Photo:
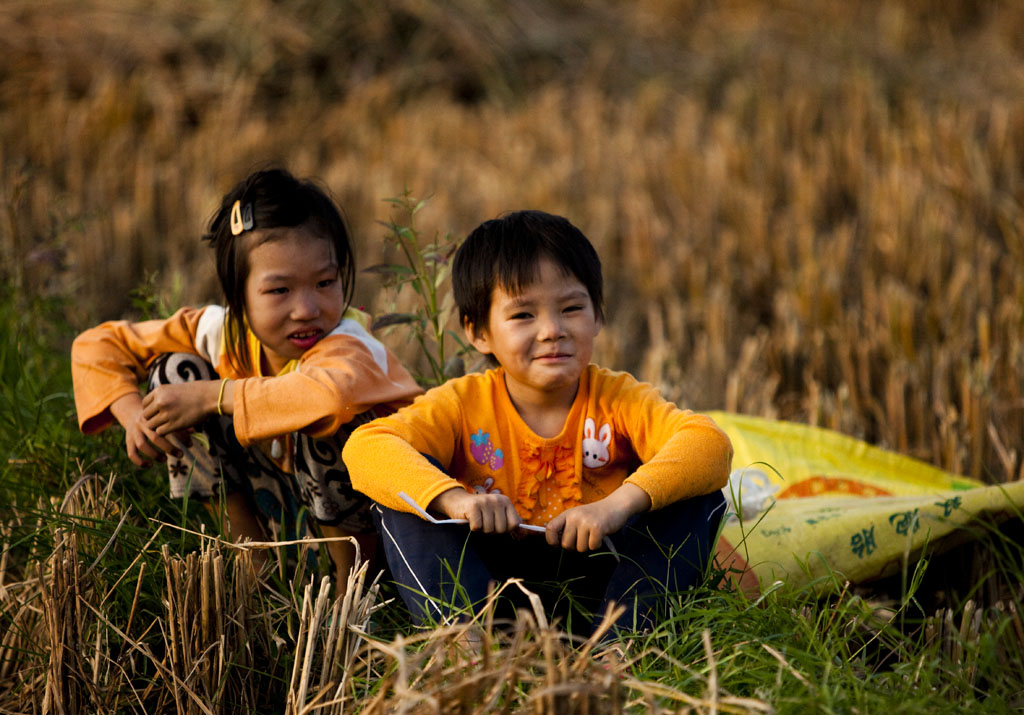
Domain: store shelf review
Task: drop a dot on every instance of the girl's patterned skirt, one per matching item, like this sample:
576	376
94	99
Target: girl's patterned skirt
288	480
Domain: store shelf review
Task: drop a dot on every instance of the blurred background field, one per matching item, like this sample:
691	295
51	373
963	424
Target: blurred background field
812	211
806	210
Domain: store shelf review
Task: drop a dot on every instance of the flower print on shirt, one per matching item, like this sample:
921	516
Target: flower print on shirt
483	450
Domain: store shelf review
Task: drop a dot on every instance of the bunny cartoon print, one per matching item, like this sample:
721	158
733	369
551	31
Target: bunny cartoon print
595	444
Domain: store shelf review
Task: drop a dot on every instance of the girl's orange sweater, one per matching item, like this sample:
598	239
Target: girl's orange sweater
346	373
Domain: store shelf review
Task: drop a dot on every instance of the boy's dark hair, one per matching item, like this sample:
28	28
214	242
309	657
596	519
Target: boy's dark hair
276	199
505	252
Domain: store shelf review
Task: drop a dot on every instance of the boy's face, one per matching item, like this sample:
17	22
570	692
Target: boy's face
542	336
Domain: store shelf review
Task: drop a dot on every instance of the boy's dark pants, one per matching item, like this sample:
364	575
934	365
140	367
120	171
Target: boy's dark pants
442	568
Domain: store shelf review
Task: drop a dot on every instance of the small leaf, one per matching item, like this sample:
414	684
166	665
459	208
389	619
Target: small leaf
442	275
383	321
388	269
447	306
451	246
464	347
454	367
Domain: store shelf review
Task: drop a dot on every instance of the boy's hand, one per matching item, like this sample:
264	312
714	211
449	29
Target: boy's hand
489	513
584	527
173	408
141	440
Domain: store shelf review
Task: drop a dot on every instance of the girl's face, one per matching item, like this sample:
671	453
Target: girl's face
293	295
543	337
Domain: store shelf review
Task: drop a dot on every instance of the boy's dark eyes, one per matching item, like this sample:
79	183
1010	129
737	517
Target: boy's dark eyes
326	282
280	290
523	315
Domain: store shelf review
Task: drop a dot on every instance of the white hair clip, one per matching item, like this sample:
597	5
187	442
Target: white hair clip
241	218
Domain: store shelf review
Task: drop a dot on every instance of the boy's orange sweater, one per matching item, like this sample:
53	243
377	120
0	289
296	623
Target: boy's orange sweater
618	430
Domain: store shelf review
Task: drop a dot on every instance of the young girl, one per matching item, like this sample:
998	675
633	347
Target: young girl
276	380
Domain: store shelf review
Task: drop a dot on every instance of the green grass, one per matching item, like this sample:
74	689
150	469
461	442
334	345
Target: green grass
858	650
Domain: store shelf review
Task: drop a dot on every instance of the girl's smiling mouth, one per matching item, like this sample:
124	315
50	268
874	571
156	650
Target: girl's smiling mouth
305	339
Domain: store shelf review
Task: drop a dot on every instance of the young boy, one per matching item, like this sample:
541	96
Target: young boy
626	484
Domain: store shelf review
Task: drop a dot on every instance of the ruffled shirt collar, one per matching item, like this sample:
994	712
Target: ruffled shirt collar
550	481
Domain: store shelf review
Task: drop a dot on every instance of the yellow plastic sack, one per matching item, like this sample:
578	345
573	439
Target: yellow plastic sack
808	501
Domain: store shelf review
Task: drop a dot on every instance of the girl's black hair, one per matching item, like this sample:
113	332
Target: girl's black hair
505	252
277	200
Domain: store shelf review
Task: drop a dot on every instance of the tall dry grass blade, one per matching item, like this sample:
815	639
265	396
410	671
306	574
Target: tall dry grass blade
1018	626
785	663
705	637
306	641
949	631
171	606
205	616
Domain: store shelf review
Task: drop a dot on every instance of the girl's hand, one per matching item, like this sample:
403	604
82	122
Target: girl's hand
489	513
173	408
584	527
141	440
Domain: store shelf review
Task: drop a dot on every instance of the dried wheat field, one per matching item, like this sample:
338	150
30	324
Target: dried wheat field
810	216
807	211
